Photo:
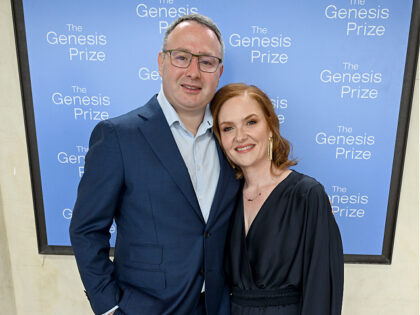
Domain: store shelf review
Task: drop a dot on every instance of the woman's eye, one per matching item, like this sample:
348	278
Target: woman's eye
226	129
251	122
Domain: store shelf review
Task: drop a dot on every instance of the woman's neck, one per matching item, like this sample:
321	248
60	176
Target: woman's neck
260	175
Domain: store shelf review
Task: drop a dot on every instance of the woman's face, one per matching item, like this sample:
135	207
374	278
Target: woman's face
244	131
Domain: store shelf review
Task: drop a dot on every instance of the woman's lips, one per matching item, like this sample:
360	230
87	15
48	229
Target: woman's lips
244	148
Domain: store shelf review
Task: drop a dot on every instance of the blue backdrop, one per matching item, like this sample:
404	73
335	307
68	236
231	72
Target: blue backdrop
333	69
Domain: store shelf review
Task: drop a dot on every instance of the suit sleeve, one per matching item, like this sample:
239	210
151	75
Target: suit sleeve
323	274
97	202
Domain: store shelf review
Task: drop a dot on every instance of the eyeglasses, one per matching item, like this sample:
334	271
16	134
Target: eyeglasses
182	59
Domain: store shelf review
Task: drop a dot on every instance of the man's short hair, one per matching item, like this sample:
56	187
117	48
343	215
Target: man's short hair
201	19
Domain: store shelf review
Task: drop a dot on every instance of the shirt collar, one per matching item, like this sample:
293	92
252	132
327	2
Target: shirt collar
172	116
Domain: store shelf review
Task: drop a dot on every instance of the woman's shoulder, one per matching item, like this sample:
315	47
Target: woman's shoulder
305	184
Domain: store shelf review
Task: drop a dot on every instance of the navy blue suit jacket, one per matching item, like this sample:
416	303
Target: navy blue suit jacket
135	174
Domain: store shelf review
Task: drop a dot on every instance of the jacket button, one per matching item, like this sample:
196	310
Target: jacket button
202	272
207	234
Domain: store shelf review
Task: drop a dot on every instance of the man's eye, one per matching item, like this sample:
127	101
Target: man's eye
207	61
181	58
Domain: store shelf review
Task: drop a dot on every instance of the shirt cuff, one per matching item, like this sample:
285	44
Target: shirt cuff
111	310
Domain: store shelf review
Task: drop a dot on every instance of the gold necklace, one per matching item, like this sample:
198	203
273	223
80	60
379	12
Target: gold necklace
259	194
252	199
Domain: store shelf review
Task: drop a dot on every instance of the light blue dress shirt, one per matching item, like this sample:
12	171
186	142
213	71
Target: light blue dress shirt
199	153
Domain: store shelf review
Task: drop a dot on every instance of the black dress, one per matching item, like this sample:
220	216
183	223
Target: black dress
291	261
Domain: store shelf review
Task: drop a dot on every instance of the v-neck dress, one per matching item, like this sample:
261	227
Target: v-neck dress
291	260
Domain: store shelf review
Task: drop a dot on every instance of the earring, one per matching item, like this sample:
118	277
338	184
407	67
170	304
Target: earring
270	148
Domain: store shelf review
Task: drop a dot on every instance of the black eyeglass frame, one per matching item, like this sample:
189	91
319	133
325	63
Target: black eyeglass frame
192	55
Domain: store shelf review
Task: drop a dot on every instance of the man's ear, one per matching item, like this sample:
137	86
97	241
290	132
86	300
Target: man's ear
221	70
161	59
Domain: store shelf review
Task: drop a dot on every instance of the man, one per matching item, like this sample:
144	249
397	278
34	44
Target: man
160	174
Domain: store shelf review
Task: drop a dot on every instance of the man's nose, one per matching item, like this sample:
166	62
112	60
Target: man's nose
193	70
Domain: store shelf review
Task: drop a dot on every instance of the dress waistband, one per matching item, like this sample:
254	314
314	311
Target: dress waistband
264	297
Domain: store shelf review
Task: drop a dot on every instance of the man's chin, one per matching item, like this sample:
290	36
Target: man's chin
192	105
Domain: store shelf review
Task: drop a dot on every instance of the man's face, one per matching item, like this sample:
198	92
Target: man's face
189	89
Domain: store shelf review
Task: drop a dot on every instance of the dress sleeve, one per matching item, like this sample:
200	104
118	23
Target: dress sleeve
323	268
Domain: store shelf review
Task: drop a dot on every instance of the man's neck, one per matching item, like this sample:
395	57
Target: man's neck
192	120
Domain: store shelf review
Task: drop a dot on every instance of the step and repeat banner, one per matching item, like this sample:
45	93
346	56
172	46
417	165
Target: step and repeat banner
333	69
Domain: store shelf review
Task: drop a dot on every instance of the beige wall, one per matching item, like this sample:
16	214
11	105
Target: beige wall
35	284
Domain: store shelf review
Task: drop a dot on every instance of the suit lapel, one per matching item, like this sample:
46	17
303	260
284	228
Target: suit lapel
227	187
156	131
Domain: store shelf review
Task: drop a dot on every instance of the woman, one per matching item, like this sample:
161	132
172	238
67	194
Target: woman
284	253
